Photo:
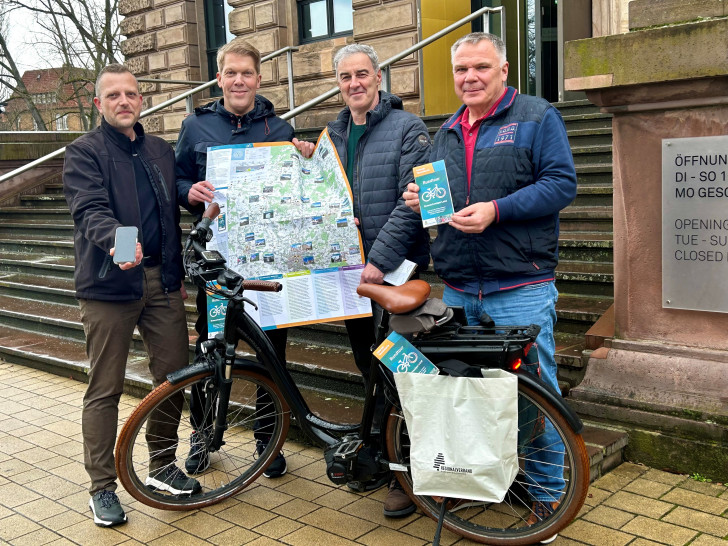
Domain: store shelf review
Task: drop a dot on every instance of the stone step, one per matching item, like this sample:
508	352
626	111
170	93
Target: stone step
588	278
56	215
583	137
36	230
50	246
49	200
575	107
594	174
594	120
575	312
586	246
593	195
592	154
605	447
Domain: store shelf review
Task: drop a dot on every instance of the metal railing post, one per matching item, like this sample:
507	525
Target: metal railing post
386	79
291	97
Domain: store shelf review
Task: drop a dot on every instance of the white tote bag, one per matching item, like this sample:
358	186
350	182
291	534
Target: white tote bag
463	433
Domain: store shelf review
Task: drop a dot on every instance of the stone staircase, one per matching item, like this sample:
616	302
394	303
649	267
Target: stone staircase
40	324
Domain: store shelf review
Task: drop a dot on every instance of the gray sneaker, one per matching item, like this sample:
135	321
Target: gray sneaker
107	509
172	479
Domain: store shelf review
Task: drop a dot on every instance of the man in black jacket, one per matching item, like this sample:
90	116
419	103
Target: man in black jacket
240	117
378	143
117	176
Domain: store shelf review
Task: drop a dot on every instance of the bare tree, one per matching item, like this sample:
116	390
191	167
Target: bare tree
81	35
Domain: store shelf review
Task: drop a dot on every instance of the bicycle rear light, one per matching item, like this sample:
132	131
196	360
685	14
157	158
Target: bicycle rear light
516	364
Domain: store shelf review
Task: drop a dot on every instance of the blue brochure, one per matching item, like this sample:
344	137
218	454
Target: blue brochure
435	199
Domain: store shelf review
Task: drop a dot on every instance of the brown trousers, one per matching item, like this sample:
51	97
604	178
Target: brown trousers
109	327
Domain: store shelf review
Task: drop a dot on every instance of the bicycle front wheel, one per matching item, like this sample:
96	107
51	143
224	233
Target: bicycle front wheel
160	431
553	469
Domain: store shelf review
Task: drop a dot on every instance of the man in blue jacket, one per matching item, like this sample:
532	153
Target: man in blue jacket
378	143
510	169
240	117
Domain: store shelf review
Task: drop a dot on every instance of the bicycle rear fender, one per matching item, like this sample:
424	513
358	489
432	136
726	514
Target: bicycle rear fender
201	367
548	392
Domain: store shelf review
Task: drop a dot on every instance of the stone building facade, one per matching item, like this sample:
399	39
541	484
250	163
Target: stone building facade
170	40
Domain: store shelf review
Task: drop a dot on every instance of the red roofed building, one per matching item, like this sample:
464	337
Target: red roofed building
61	95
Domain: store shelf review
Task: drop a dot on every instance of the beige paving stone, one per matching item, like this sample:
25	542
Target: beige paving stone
167	516
220	506
67	519
144	528
264	541
54	487
67	449
637	504
304	489
666	533
202	525
349	527
648	488
612	482
12	466
177	538
79	501
29	476
296	508
313	471
664	477
424	528
36	538
310	536
337	498
11	425
631	470
73	472
16	526
644	542
264	497
706	488
235	536
700	521
35	455
246	515
698	501
597	535
47	439
40	509
32	415
5	512
609	517
12	495
278	527
65	427
26	432
371	510
382	535
53	462
13	445
707	540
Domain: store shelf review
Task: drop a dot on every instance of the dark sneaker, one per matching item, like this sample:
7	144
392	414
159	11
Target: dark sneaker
540	511
198	459
107	509
375	483
278	467
172	479
397	504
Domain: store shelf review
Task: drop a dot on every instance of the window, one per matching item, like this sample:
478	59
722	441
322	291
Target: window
322	19
216	13
62	123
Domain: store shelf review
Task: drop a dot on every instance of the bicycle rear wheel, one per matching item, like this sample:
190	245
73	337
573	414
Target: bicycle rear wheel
508	522
254	398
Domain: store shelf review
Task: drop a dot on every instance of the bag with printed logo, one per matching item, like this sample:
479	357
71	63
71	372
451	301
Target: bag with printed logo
463	433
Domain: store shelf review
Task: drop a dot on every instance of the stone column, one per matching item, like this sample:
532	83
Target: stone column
665	374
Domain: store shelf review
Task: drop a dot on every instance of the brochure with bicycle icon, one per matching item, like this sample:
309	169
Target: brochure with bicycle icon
435	198
399	355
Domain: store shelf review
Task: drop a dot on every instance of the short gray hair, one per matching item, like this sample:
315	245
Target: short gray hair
475	38
353	49
113	68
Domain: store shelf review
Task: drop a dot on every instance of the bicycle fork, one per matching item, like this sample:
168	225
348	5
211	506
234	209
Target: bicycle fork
223	378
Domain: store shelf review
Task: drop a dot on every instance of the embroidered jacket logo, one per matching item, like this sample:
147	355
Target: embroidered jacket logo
441	466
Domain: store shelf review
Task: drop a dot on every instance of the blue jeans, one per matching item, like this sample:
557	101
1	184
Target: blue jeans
531	304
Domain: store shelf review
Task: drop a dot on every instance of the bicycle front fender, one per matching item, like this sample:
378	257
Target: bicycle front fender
548	392
204	366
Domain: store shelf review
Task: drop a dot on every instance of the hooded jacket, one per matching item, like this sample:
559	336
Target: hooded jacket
522	162
100	189
393	142
212	125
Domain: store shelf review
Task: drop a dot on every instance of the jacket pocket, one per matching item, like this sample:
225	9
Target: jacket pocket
162	182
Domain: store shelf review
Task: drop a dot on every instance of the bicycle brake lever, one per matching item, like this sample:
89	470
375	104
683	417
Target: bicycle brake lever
246	300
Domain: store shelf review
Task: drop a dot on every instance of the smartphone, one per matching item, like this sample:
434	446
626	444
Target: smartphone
125	244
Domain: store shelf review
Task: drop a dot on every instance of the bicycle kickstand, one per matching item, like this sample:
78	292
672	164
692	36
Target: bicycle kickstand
440	519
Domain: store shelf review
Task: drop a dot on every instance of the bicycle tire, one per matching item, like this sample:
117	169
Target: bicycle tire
232	468
505	523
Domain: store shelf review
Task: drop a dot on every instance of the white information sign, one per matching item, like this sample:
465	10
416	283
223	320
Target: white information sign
695	223
288	219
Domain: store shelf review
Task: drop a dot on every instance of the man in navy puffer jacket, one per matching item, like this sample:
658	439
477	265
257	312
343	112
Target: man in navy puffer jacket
240	117
510	170
378	143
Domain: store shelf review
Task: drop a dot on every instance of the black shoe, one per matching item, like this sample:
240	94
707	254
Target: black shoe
198	459
278	467
397	504
375	483
172	479
107	509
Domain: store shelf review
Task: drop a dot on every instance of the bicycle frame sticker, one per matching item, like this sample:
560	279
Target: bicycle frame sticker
216	309
399	355
435	199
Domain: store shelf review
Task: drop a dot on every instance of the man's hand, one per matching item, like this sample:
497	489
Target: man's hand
306	148
474	218
371	275
201	192
183	290
137	258
412	196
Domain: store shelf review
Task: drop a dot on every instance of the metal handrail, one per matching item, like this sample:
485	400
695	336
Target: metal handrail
386	84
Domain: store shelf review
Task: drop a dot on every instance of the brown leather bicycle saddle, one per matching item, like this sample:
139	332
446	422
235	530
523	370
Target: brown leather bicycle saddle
397	299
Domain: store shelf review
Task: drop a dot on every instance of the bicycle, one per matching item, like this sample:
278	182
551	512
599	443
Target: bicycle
434	192
234	400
